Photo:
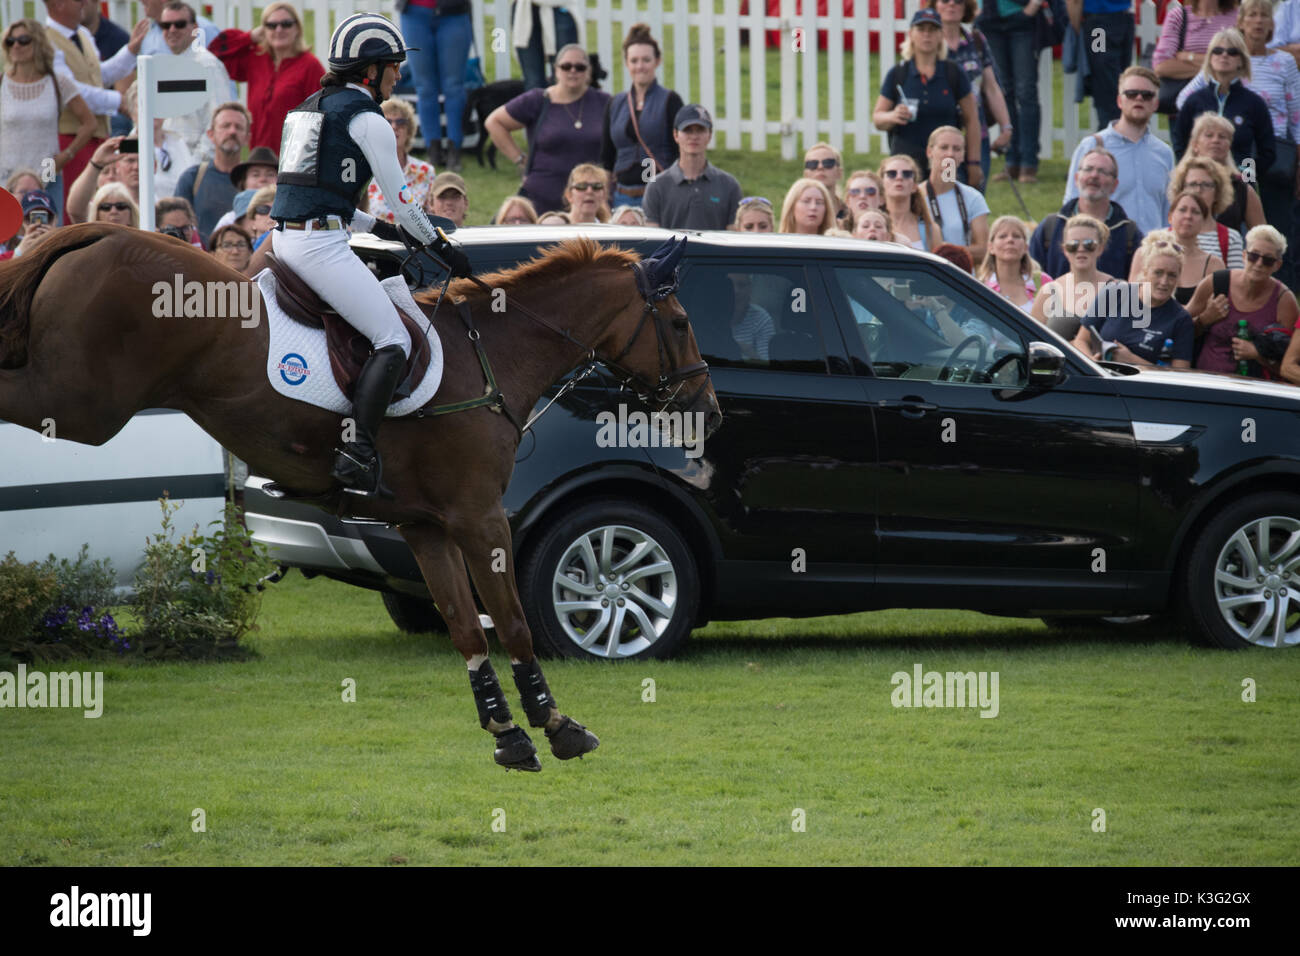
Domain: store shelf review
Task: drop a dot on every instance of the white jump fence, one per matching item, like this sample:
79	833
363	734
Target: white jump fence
706	63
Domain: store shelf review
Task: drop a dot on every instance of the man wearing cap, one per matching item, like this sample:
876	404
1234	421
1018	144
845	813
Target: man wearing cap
692	193
448	197
209	186
39	219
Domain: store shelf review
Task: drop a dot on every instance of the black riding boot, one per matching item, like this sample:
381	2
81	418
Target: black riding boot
357	466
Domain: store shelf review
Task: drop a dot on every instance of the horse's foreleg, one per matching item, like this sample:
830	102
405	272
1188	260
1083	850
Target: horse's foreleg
443	568
488	554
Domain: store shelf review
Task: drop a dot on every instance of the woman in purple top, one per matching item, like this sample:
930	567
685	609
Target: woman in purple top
1254	297
563	124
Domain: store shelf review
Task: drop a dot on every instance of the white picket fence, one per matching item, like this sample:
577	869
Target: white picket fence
694	40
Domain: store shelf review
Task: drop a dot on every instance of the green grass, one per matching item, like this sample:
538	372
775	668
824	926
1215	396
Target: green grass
757	719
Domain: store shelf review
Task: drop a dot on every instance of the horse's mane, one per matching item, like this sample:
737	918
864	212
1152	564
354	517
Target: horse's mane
554	262
20	277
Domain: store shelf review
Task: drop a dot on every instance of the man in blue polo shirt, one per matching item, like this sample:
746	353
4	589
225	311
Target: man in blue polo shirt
1107	28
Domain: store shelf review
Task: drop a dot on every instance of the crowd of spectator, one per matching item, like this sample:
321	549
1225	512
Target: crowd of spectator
1200	236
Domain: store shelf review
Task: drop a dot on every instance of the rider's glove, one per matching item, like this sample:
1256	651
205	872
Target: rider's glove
386	231
458	263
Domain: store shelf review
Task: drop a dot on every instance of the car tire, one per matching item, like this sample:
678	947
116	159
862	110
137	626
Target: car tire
413	615
1237	592
659	586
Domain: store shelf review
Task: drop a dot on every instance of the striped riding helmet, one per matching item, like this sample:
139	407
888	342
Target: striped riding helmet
365	38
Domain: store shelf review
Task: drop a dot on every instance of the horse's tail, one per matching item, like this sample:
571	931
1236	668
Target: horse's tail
20	277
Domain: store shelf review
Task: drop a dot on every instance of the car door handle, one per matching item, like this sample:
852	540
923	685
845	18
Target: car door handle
911	406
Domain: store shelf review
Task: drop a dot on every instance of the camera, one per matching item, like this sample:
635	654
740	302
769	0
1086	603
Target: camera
176	232
129	146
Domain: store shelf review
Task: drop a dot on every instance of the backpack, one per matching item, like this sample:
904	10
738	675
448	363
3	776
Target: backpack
1223	254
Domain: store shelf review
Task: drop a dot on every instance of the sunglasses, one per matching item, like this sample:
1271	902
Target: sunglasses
1139	94
262	210
279	24
896	173
1087	245
758	199
114	207
572	67
1269	261
24	40
821	163
583	187
401	122
232	246
864	191
1225	51
173	24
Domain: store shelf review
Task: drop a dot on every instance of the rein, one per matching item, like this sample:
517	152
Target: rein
671	377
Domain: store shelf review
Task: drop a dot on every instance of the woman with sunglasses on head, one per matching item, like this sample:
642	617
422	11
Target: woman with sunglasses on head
1210	180
563	127
1067	299
1227	71
628	216
823	163
232	246
754	214
969	49
585	194
32	96
1143	324
112	203
1211	139
419	174
637	131
1188	215
1254	297
274	60
913	224
1008	269
808	209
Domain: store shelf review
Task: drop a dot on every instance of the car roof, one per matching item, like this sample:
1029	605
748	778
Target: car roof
712	239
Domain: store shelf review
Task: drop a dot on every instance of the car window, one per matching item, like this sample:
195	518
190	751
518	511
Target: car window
752	315
914	325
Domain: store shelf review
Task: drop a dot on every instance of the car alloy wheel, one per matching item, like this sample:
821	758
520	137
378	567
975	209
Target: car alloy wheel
1257	581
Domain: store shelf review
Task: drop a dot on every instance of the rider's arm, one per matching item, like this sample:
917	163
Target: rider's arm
371	132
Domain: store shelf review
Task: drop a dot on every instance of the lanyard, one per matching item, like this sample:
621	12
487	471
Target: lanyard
961	208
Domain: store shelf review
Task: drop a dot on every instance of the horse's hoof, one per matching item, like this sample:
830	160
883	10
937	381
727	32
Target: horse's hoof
515	751
571	739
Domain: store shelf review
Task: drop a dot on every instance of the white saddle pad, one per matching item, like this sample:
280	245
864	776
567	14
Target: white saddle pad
298	364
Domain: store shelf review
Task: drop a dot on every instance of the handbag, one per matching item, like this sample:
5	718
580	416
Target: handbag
1049	24
474	77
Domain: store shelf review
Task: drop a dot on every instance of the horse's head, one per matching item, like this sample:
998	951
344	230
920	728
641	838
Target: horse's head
651	346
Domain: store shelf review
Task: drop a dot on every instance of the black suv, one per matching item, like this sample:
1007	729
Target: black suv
895	435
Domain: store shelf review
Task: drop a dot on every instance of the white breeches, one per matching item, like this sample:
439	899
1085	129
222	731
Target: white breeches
326	263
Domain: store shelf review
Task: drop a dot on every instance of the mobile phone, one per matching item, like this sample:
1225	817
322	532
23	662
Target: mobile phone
129	146
39	217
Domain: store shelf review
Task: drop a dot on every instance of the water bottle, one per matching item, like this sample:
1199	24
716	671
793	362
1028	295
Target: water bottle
1166	353
1243	333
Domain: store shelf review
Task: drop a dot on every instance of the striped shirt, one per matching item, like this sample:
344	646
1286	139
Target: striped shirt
1276	78
1200	31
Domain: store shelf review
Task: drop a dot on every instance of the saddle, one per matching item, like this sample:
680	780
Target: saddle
348	348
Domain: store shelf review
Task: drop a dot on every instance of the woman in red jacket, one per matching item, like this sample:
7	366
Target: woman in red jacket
275	62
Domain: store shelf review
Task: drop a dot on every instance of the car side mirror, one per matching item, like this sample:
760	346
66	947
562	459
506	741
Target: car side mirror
1046	365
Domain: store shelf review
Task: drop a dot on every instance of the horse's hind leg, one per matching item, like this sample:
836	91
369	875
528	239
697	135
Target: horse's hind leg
488	554
444	572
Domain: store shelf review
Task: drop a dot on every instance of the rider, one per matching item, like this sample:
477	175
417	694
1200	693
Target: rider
332	144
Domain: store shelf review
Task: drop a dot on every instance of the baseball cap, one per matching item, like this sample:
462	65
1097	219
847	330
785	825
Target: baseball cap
693	115
37	199
927	15
444	181
242	202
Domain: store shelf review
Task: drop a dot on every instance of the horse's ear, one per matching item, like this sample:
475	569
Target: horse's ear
663	262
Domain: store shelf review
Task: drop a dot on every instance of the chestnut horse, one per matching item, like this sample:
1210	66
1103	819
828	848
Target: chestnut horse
80	344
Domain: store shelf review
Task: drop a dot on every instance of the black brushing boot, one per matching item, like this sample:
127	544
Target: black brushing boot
514	750
570	739
357	466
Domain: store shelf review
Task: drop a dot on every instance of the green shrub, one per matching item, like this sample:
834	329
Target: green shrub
27	591
198	595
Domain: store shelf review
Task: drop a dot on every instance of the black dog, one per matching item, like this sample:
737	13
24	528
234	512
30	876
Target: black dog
482	101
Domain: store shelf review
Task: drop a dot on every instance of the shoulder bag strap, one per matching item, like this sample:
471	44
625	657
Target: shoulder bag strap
636	128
